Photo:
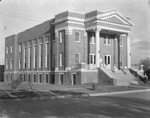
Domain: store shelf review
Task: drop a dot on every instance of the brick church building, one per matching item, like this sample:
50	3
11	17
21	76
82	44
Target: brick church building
72	48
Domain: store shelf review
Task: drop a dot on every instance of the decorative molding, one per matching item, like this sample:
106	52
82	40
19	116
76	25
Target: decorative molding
68	31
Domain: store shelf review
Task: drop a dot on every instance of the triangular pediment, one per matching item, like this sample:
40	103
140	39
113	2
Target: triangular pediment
115	17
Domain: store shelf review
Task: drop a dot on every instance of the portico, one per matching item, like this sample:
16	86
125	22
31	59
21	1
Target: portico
110	55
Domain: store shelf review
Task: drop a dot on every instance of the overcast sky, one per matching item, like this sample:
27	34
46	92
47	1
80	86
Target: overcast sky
19	15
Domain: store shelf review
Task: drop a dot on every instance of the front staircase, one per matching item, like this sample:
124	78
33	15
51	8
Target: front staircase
117	78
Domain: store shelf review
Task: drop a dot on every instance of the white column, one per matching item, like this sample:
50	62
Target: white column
97	36
128	52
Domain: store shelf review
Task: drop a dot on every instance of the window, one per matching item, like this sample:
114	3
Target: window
107	40
10	49
61	59
34	78
24	57
40	78
46	77
77	36
6	50
19	63
61	36
46	53
92	39
77	58
34	55
40	54
61	78
92	58
19	47
11	63
121	41
6	63
29	56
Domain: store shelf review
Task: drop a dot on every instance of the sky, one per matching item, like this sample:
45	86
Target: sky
19	15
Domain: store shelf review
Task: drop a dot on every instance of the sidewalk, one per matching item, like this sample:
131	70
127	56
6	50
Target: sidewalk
46	92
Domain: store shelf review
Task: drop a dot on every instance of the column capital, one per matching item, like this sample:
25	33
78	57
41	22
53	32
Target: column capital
97	29
85	33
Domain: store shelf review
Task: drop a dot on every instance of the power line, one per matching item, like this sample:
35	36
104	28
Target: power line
13	14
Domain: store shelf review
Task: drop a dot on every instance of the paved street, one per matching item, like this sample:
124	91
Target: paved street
135	105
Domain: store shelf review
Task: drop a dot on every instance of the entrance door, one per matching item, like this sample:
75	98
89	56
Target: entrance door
52	79
73	79
108	61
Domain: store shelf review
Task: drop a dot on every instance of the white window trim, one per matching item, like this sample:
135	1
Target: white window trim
60	37
61	59
11	49
79	57
92	58
7	61
20	47
107	38
6	50
46	56
40	55
29	56
19	63
24	56
79	36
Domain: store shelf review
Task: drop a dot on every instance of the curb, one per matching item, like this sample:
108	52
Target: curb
71	96
120	92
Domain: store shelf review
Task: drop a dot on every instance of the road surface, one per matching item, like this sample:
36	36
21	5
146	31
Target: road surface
135	105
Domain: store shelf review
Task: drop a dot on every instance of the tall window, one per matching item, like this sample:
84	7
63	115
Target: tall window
19	47
6	63
121	41
34	54
61	36
92	39
10	49
92	58
29	56
77	58
19	63
61	59
107	40
46	53
40	53
11	63
46	77
24	57
6	50
40	78
34	78
77	36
